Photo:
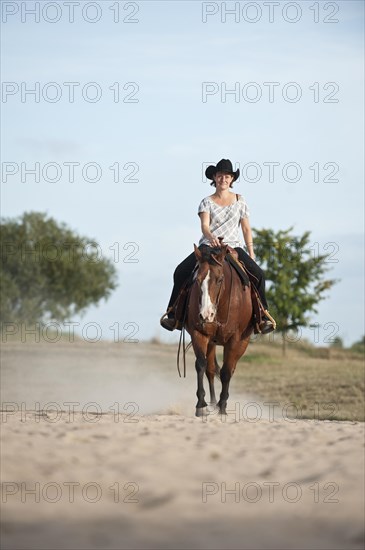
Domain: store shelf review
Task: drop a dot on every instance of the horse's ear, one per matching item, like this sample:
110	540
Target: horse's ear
197	252
223	251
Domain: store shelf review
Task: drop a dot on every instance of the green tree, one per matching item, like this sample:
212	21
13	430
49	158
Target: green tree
295	275
48	272
337	343
359	347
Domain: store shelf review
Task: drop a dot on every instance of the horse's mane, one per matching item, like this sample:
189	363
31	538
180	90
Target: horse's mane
207	252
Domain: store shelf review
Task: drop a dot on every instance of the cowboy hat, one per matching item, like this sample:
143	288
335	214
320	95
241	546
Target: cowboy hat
223	165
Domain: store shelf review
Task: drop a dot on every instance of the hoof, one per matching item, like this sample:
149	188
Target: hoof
222	410
201	411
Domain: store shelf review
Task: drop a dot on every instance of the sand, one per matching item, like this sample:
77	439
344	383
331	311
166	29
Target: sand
131	467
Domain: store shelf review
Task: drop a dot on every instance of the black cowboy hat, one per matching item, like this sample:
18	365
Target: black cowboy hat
223	165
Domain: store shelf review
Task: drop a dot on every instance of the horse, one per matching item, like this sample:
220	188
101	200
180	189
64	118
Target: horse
219	312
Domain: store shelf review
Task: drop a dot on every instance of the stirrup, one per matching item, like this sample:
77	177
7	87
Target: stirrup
267	314
269	318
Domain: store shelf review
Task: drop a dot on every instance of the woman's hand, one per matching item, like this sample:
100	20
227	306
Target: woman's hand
215	242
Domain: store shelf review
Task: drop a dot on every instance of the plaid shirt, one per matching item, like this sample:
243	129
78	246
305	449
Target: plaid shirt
225	220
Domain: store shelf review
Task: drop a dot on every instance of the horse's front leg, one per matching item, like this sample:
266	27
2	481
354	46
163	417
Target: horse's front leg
232	352
200	366
211	371
200	345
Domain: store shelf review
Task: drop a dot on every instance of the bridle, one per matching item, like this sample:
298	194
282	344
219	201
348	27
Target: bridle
216	322
219	323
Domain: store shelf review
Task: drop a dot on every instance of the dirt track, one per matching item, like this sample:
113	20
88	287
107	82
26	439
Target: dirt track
155	476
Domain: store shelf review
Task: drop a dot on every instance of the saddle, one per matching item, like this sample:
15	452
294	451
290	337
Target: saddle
247	278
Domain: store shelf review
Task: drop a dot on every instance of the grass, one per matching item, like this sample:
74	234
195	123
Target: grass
320	385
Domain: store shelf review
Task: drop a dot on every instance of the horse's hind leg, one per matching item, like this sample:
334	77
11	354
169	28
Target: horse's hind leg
217	368
231	355
211	371
225	374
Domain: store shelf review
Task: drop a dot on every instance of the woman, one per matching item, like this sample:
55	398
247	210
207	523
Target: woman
221	215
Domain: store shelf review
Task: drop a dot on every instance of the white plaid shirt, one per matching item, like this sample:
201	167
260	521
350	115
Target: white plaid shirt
225	220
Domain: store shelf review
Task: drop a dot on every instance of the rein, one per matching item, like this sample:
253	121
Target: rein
229	298
182	336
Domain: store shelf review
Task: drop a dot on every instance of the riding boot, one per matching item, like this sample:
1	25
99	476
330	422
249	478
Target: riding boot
169	322
266	323
182	275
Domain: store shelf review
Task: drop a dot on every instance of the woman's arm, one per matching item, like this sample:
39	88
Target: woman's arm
205	224
247	235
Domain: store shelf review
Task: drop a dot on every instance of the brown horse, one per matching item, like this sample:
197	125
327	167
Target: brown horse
219	312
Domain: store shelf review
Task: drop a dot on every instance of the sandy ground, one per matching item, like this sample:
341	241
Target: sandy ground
101	449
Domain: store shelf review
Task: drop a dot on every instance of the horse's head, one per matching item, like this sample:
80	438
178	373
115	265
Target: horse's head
210	280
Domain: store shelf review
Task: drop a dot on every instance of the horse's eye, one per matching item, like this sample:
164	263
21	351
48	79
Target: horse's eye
220	280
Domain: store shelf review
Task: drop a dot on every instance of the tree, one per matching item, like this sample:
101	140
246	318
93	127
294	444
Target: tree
337	343
295	275
49	272
359	346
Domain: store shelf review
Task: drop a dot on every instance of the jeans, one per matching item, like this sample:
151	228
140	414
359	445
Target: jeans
185	268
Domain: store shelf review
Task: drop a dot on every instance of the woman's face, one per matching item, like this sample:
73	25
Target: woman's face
223	180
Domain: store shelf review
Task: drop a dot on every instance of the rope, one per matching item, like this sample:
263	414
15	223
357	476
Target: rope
182	336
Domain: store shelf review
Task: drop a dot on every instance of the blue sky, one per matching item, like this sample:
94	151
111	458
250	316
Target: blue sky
170	134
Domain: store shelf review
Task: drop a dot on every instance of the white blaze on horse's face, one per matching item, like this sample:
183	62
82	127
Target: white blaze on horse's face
207	309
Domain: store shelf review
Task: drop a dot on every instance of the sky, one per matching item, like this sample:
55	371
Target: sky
139	97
